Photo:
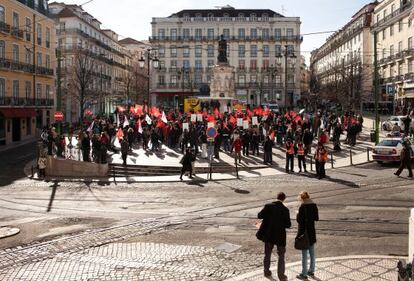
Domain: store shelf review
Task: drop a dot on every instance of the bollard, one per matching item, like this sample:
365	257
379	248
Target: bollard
237	167
211	169
32	172
332	160
311	163
368	154
350	156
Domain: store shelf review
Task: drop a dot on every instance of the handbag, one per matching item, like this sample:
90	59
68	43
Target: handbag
302	241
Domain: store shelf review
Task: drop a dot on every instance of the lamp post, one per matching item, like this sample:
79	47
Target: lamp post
287	54
149	57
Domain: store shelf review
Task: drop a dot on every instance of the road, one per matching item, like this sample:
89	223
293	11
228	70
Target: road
363	210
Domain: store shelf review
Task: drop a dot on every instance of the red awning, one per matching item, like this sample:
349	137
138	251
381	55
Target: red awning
17	112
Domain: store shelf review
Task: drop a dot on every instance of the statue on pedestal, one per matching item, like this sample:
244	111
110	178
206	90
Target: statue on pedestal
222	50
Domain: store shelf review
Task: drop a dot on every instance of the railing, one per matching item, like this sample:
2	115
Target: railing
4	27
18	66
396	13
296	38
16	32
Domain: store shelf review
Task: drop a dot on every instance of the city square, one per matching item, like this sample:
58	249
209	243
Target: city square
202	142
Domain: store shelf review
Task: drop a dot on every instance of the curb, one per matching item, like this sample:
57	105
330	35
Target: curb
259	272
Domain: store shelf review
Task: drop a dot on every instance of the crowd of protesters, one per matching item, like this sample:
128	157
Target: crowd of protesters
242	132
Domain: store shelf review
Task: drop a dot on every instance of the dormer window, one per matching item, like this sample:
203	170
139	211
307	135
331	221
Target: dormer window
226	17
241	17
265	17
253	17
186	17
198	16
211	17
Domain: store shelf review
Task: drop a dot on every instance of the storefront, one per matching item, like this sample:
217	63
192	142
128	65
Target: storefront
16	124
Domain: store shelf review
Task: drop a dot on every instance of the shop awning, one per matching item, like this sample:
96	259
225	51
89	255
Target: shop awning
17	112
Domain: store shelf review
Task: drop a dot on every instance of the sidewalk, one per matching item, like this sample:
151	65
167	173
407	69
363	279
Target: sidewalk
355	268
17	144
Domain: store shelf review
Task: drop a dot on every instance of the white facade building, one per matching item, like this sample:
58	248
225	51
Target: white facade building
262	46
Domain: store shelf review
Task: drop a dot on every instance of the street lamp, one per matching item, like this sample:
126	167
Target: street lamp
155	63
288	54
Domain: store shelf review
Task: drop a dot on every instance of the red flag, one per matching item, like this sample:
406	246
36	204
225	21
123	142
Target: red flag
211	118
160	124
138	109
298	118
272	136
155	112
249	113
293	114
120	133
232	120
225	125
216	112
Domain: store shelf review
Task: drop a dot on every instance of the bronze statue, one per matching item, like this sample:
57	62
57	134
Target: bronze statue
222	57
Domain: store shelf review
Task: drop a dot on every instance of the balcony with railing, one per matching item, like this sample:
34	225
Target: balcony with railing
4	27
16	32
40	70
17	101
403	9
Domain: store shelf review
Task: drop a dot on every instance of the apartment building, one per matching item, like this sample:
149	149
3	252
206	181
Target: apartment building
304	80
393	26
343	64
262	46
79	35
27	58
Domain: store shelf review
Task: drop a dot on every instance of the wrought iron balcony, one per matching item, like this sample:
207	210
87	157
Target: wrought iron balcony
4	27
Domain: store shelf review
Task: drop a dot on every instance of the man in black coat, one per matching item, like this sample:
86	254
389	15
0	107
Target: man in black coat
276	219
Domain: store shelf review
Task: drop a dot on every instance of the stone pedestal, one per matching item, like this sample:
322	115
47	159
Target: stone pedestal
411	237
222	86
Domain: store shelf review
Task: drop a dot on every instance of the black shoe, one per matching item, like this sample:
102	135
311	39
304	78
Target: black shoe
181	179
396	174
410	176
267	273
301	277
311	274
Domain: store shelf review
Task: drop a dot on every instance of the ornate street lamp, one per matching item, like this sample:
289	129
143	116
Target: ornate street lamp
155	64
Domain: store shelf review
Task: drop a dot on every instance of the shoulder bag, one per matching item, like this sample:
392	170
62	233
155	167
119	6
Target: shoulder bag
302	241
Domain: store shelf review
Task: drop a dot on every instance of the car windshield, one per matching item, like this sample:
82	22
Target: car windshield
389	142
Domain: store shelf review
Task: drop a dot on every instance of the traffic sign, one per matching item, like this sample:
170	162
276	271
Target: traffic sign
58	116
211	132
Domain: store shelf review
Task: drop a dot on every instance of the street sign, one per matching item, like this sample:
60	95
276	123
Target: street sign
58	116
211	133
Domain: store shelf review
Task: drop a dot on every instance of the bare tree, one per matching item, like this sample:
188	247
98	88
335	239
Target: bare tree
82	78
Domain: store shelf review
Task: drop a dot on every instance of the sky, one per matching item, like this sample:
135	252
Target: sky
131	18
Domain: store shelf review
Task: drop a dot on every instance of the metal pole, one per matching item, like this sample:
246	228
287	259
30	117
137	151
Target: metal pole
376	87
350	157
149	73
34	60
237	167
368	154
332	160
286	76
311	163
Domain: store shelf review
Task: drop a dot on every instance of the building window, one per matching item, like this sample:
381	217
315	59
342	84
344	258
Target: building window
290	49
186	52
265	51
39	59
186	33
210	34
47	92
161	52
242	33
198	51
289	33
28	29
400	68
410	43
27	56
27	89
173	34
2	87
391	50
278	50
253	33
253	78
161	34
15	89
211	17
2	49
400	47
161	80
391	30
47	59
2	14
210	63
15	20
265	33
400	26
173	79
47	37
198	34
39	34
383	34
242	79
253	51
198	64
410	66
173	51
265	17
186	64
266	64
253	64
242	64
253	17
173	64
278	34
210	51
15	53
242	51
226	33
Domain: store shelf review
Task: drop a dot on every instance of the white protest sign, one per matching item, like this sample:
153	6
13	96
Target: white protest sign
239	122
193	118
186	127
200	117
255	121
245	124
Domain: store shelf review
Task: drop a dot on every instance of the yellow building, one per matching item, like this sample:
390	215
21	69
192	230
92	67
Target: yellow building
27	60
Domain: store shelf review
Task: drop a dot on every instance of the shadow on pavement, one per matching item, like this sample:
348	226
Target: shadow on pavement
52	196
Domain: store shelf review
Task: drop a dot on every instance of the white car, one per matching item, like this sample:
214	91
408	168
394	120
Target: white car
387	125
389	149
274	107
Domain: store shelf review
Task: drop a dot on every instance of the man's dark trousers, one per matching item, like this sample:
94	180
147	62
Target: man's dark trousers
281	259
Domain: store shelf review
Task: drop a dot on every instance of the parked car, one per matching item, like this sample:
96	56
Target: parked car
389	149
387	125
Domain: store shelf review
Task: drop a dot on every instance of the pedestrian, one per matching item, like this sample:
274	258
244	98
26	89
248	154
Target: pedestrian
186	162
307	141
41	162
300	151
124	150
321	156
237	145
407	123
255	143
86	147
246	139
290	153
275	220
268	151
405	156
306	217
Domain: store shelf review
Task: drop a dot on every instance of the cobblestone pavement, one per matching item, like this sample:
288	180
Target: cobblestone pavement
357	268
136	261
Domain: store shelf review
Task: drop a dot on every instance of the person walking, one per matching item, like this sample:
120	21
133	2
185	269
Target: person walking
301	157
306	217
268	150
124	150
275	220
246	139
186	162
405	157
42	165
290	153
255	143
321	156
237	145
